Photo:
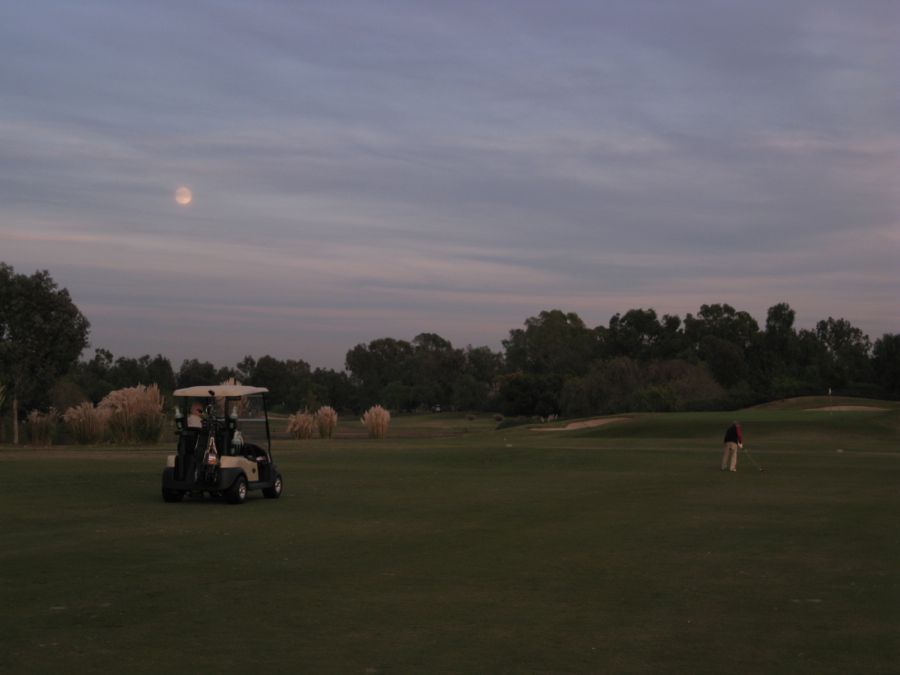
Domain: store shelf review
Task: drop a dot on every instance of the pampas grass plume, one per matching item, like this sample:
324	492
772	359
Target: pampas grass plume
42	426
135	414
326	421
302	425
86	423
377	420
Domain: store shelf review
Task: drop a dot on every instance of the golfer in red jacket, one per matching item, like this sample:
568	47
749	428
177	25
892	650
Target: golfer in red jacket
734	439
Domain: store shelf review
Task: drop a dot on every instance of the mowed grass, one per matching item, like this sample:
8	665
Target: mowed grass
616	549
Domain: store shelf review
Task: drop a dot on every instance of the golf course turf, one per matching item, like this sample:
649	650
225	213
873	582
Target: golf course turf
611	549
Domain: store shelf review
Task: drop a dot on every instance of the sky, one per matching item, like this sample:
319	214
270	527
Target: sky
384	169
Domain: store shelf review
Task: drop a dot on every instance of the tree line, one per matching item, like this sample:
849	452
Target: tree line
718	358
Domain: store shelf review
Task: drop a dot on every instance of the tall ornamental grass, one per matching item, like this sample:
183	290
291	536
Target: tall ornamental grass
302	425
377	420
86	423
42	426
135	414
326	421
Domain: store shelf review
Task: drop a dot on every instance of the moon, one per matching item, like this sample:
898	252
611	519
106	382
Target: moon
183	196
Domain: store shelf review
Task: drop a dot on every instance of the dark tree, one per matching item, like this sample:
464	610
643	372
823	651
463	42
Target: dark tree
636	334
608	386
780	327
334	389
377	364
289	382
99	376
552	347
483	364
553	343
722	321
848	350
128	372
159	371
93	377
724	339
244	370
436	368
226	374
886	363
527	394
194	372
725	359
475	387
42	333
672	341
778	361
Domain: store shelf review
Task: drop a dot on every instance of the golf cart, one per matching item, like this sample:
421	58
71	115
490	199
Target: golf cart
224	446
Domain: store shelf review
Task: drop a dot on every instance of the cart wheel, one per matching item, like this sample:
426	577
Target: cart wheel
172	496
237	493
274	492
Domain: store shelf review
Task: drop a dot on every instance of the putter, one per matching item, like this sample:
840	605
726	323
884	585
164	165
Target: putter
753	460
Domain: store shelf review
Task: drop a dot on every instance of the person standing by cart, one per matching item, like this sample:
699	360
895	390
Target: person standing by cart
734	439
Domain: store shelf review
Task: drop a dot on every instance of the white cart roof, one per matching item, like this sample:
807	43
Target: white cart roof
220	391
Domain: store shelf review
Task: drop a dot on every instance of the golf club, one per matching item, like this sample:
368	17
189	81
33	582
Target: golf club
753	459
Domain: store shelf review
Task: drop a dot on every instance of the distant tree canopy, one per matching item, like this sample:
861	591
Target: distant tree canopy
719	357
425	373
555	364
92	380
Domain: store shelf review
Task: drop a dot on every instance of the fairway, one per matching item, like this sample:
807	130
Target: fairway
611	549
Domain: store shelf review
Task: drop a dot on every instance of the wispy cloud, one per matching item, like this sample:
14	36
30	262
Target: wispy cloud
363	171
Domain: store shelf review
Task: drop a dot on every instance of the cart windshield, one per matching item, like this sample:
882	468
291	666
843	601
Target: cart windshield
251	415
248	412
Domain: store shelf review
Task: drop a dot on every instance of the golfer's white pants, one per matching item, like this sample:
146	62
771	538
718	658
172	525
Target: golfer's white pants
729	457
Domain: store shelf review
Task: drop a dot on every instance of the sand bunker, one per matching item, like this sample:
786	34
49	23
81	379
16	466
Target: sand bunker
846	408
571	426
